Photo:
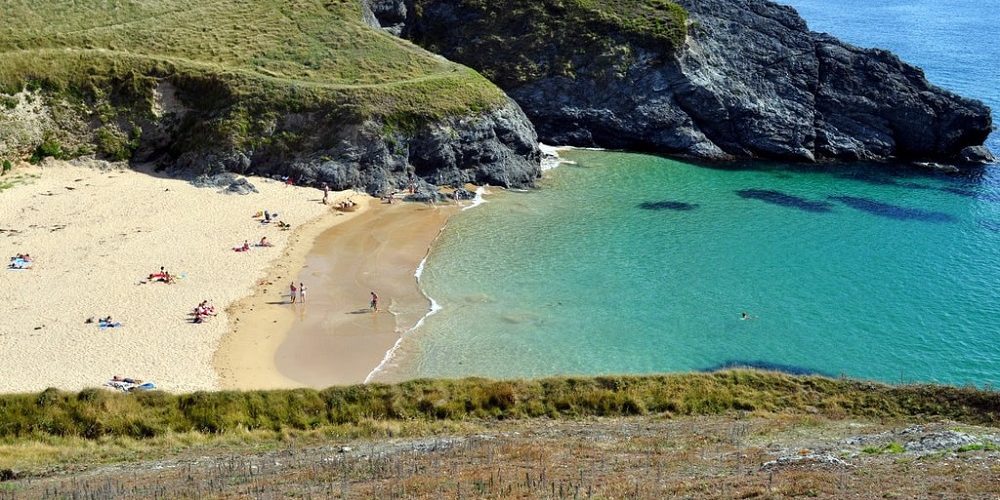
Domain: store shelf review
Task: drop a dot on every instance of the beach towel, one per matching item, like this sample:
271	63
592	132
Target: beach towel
121	385
19	265
104	326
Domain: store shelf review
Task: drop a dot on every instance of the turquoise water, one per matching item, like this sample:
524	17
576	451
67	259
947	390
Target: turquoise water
626	263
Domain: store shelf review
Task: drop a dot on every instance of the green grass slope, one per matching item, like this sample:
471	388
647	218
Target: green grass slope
258	56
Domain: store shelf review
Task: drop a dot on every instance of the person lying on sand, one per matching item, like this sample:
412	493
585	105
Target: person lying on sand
244	248
108	323
127	380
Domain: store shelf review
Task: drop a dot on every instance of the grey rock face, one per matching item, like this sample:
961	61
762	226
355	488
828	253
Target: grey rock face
496	147
751	82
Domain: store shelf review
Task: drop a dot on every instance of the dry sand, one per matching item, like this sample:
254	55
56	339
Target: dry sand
94	235
333	338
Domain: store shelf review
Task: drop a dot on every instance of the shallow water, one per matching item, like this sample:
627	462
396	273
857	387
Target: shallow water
628	263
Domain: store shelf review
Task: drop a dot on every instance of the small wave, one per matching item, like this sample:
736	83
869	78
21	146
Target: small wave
420	268
478	200
432	310
551	158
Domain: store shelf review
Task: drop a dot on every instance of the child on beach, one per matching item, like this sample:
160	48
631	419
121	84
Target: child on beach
374	303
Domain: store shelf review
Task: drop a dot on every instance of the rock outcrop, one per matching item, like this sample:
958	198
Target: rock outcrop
497	147
750	81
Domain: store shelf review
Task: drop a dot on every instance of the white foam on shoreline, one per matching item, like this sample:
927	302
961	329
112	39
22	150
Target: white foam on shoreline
478	200
551	158
432	310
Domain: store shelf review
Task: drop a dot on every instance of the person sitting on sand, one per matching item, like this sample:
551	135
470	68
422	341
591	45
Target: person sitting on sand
265	243
244	248
284	226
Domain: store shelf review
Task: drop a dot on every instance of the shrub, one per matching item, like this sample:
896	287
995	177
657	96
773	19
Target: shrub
6	167
49	147
113	144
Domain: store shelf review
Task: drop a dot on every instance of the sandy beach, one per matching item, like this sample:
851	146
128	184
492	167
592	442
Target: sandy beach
96	235
333	338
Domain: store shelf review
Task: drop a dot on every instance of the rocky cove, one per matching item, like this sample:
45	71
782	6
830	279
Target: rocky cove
712	80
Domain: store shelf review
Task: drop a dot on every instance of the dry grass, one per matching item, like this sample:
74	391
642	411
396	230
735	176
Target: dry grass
633	457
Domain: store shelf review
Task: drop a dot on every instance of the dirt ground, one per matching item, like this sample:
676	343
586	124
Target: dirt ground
642	457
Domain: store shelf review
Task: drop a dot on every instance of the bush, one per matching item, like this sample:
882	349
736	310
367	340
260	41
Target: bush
6	167
49	147
113	144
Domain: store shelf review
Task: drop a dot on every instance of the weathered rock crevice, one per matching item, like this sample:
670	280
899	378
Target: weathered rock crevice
751	81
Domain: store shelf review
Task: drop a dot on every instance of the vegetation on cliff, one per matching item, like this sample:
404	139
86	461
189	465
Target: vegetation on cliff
562	30
96	413
240	63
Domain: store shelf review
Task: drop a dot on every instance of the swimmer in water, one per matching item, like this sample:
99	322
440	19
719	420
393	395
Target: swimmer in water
744	316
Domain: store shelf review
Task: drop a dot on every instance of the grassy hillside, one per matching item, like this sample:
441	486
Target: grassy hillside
238	62
298	51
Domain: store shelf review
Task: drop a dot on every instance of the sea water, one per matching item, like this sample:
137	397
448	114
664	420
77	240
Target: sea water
627	263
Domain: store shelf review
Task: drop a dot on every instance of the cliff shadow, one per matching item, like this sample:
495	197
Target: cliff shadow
969	193
678	206
764	365
890	211
869	176
785	200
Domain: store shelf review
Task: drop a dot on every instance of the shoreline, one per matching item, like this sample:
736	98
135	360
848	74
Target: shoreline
254	331
333	339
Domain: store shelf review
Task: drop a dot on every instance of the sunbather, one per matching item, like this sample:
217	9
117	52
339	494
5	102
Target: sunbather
265	243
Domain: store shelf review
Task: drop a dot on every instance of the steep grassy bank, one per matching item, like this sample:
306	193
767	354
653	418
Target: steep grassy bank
229	84
96	414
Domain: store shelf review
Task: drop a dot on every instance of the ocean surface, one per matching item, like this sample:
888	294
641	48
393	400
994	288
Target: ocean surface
627	263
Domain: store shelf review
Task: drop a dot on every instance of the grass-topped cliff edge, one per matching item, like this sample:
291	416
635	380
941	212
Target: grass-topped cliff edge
270	79
635	436
98	413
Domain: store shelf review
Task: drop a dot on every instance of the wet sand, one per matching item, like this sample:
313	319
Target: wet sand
333	338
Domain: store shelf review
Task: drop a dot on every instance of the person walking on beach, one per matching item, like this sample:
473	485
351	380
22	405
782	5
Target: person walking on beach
302	293
326	192
292	292
374	304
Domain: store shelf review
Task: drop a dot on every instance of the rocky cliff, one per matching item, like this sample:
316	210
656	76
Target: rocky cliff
300	88
747	79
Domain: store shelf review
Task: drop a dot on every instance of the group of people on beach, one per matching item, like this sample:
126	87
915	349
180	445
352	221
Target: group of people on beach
203	312
297	293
